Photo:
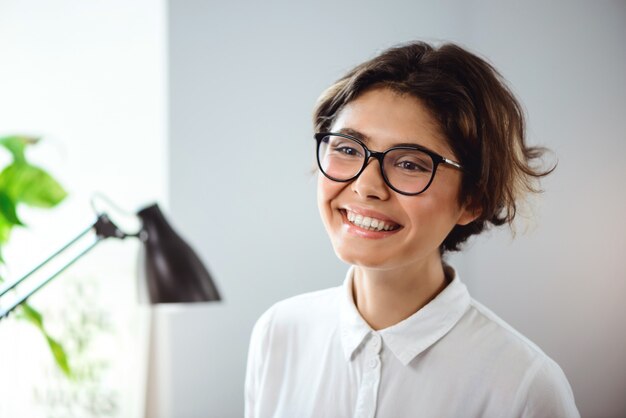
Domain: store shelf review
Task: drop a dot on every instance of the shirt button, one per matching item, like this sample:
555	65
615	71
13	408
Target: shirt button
376	344
374	363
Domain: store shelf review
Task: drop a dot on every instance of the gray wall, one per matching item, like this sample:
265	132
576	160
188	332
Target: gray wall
244	76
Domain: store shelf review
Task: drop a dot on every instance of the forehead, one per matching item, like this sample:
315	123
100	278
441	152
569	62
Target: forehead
383	118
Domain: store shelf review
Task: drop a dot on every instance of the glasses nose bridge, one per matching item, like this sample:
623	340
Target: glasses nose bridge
380	156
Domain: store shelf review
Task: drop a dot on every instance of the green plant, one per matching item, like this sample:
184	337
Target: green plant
22	183
85	327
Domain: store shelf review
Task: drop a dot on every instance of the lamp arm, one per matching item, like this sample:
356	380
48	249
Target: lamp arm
103	227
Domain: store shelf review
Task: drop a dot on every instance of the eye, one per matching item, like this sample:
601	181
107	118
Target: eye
413	166
347	150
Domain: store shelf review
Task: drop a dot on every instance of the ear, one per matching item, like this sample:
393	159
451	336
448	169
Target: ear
470	211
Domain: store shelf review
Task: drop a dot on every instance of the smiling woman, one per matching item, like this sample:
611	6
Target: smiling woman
386	119
418	149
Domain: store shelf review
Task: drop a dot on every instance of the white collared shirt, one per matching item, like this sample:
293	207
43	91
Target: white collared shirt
313	355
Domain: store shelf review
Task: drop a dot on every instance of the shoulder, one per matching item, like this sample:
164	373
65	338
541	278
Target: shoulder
495	338
498	333
306	306
546	392
306	311
317	302
511	360
492	346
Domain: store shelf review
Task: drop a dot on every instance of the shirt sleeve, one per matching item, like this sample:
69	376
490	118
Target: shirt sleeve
548	393
257	351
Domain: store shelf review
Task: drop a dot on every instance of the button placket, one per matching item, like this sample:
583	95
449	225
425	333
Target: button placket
368	391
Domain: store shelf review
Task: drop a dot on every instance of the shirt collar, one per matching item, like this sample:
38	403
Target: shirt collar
413	335
353	327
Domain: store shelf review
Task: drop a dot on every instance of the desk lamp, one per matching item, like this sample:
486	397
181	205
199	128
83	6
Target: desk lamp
173	271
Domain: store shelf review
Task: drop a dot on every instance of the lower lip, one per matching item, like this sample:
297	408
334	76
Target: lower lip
365	233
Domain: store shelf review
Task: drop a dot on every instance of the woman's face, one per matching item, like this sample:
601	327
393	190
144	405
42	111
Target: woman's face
382	118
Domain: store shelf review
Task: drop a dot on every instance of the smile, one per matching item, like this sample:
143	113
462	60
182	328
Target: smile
369	223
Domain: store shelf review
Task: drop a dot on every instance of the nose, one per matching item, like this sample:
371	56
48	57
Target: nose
370	183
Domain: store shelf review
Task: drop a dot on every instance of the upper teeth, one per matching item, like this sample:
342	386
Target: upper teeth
366	222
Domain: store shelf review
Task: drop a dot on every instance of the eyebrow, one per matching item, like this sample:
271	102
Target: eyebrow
365	139
356	134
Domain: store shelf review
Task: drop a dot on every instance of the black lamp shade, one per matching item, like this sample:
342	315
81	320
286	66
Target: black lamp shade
174	272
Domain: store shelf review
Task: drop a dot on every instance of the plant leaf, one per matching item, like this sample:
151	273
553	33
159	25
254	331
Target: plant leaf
21	182
59	355
31	185
33	316
8	210
5	232
16	145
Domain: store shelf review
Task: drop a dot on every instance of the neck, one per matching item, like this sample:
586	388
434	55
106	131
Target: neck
386	297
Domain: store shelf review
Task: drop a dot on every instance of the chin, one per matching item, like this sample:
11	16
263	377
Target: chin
360	259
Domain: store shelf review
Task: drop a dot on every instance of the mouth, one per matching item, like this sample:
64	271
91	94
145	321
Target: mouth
369	223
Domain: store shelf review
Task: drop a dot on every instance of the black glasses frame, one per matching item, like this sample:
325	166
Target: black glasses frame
380	156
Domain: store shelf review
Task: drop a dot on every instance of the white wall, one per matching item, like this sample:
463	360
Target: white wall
244	76
91	78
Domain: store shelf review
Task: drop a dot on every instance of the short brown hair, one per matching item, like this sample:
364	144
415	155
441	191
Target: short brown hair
478	114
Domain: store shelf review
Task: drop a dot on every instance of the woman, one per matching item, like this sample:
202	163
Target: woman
418	149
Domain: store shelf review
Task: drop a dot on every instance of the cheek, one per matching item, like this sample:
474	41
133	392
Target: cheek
434	218
431	211
327	190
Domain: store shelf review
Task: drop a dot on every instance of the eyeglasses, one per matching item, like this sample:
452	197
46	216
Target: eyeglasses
409	170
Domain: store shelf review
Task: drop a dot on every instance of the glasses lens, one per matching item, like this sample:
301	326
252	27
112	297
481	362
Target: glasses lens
408	170
340	158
